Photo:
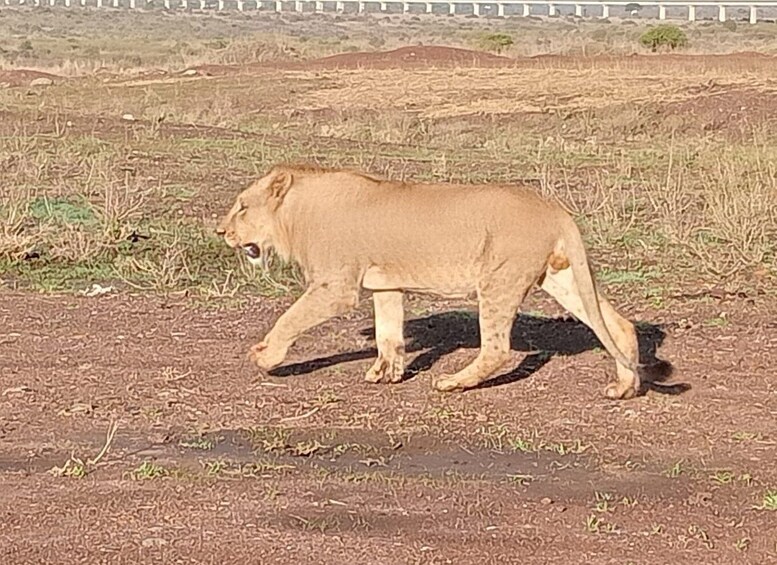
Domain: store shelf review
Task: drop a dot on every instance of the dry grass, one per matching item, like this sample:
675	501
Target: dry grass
668	165
438	95
63	40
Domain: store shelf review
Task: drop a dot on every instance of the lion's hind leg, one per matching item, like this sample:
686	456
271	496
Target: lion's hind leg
561	286
499	299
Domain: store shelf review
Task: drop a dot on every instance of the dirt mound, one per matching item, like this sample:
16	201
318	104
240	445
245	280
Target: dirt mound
440	56
739	61
417	56
23	77
404	57
729	109
421	56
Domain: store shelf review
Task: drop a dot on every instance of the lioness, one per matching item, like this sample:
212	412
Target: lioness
348	230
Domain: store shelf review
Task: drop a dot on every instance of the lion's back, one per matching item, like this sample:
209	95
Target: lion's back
344	215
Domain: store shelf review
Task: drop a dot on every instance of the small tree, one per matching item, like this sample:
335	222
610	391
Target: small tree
665	35
496	42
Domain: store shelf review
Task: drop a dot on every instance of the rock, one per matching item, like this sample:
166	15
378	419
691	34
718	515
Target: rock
189	72
97	290
545	501
41	81
153	542
128	117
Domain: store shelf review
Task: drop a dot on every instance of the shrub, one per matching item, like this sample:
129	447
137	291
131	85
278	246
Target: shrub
665	35
496	42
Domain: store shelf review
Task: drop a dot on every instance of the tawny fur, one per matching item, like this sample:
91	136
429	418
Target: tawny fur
348	230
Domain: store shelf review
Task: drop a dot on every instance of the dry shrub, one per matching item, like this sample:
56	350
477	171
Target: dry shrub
725	216
171	270
605	204
119	203
386	126
74	243
246	51
737	228
16	239
71	228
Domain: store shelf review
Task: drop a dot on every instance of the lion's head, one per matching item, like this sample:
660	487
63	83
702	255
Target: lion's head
250	225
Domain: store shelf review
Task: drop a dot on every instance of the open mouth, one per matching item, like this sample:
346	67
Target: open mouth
252	250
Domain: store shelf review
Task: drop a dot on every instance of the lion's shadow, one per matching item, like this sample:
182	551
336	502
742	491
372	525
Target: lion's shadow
541	338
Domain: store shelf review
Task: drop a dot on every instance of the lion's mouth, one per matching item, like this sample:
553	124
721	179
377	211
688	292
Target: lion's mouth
252	250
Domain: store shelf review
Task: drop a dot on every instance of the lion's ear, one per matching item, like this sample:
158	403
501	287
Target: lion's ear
279	186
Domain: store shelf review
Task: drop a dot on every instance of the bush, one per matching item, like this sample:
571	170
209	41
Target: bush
664	35
496	42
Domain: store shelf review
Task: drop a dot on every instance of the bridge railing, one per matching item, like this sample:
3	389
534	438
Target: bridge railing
479	7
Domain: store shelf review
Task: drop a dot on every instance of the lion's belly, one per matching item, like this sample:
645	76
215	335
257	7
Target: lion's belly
452	281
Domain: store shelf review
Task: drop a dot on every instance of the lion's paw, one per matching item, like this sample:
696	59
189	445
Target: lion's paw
448	383
616	391
266	357
385	371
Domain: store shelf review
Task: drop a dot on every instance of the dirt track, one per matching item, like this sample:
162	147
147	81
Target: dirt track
375	473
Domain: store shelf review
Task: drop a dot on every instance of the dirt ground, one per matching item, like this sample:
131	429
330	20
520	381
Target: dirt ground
314	465
133	428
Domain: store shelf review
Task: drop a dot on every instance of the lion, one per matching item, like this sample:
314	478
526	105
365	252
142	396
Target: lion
349	231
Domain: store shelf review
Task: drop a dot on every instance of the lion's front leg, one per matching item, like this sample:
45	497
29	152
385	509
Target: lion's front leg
320	302
389	317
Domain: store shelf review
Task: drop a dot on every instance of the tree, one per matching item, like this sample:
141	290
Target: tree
496	42
664	35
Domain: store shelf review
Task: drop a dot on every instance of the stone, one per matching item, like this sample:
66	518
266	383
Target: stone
41	81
